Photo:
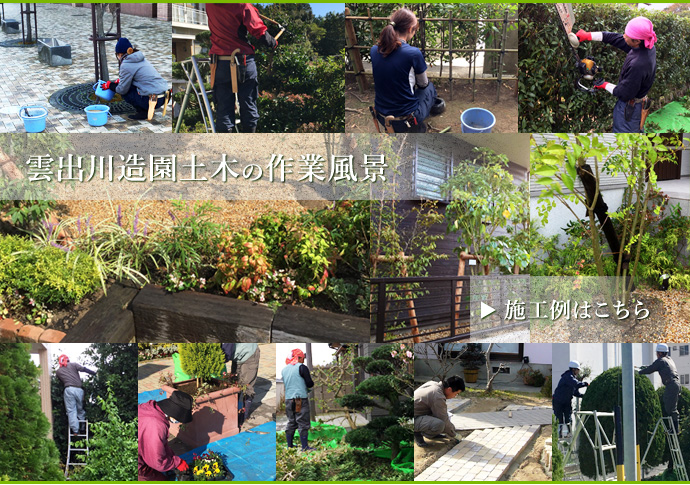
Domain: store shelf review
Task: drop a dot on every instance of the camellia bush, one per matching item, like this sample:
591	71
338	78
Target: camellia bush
603	395
549	102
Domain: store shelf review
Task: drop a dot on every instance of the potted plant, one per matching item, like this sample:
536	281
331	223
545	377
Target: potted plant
210	467
472	359
216	399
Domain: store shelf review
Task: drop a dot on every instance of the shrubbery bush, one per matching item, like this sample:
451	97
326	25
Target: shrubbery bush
549	101
604	394
202	360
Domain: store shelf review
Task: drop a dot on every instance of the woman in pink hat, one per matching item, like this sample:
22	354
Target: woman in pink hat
637	75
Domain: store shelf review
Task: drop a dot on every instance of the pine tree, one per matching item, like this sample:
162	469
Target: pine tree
26	453
202	360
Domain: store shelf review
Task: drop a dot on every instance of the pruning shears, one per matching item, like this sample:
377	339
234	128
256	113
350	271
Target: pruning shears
280	26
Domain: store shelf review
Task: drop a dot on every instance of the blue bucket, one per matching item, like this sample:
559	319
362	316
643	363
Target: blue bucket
104	94
97	114
34	118
477	120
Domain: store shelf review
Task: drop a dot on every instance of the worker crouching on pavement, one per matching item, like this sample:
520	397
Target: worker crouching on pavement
400	76
637	75
297	381
563	396
233	69
431	418
68	373
138	79
243	360
666	368
155	455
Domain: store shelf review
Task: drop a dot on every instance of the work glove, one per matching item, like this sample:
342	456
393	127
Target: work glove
454	441
601	84
269	40
583	36
112	85
183	467
586	384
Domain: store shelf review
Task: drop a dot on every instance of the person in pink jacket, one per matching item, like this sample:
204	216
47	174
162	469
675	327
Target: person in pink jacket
155	455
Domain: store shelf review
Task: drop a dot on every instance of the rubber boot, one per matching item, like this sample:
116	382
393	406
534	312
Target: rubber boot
419	440
247	408
290	436
304	439
240	418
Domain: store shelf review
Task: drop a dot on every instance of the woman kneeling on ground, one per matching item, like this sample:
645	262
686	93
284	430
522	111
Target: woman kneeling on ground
401	84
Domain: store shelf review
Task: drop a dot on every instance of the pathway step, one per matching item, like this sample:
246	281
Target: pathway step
485	455
502	419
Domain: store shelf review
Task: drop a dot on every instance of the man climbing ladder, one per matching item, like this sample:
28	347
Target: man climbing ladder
68	373
666	368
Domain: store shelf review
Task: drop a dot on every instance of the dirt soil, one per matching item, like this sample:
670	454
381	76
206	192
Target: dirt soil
528	467
505	111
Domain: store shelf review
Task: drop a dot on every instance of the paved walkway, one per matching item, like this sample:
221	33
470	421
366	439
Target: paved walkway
485	455
501	419
25	80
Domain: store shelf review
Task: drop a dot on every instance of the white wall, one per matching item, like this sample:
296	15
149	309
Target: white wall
600	357
538	353
682	363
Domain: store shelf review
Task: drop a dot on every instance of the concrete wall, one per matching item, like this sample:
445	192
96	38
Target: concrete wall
682	363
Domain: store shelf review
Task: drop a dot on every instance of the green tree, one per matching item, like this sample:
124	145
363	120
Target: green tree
26	452
202	360
604	394
390	387
333	40
113	445
484	202
116	368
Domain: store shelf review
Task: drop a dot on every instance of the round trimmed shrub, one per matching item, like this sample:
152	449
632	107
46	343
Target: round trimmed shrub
202	360
603	395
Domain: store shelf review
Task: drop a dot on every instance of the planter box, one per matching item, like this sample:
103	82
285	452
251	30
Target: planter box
214	417
10	26
471	375
54	53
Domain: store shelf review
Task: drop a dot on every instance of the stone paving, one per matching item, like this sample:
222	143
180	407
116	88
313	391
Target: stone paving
24	80
502	419
485	455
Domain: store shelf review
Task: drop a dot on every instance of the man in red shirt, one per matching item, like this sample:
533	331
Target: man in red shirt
229	24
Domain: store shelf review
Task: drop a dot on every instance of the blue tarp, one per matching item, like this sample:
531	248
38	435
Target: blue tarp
249	455
146	396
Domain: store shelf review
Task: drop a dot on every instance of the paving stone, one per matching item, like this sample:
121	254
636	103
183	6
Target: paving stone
502	419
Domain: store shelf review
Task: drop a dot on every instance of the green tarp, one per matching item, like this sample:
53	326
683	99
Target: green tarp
674	117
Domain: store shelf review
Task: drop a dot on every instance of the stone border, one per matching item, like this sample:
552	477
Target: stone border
13	331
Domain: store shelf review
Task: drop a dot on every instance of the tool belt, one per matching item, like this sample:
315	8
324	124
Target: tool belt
630	107
391	122
236	75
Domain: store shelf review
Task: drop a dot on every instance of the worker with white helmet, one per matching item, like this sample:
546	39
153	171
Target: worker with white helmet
563	396
666	368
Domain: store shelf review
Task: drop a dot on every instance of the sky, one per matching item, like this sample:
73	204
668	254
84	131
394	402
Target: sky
321	9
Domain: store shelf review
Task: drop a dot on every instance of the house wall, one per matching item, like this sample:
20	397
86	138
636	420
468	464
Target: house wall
600	357
682	363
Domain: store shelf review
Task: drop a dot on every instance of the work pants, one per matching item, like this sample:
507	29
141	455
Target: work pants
247	95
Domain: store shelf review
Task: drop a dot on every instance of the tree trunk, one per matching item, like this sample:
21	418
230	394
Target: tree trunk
28	31
395	449
100	32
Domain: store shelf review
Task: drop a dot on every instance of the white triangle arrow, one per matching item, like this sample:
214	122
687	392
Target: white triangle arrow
485	310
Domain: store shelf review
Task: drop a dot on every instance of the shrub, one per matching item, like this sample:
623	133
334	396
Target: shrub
603	394
549	101
156	351
243	261
113	447
546	389
26	452
557	468
46	275
202	360
532	377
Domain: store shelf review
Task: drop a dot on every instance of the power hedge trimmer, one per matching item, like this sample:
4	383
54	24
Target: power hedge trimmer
587	68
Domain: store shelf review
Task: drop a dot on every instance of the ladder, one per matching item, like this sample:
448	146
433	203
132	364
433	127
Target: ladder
599	442
194	74
673	446
84	436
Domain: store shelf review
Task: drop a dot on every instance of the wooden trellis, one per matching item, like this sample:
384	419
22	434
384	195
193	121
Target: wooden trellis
354	47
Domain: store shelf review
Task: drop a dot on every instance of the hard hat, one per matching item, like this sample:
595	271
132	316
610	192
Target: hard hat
574	364
662	348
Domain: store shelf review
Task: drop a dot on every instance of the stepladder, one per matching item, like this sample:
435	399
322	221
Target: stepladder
73	438
666	422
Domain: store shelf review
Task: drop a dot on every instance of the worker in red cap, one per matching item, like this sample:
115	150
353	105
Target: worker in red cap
68	373
297	381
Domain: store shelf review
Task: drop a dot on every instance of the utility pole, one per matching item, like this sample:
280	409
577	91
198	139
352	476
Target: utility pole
629	415
312	402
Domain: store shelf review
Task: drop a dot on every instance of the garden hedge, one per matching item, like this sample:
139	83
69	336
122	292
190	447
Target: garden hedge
549	101
603	394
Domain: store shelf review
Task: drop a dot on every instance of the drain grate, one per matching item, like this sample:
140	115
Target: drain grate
16	43
75	98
